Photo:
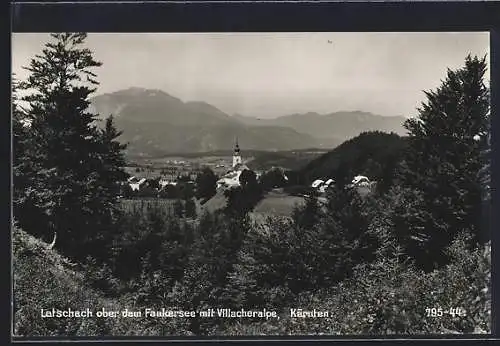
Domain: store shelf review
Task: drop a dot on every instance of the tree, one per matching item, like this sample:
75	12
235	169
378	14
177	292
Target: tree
154	183
170	191
68	158
190	208
272	179
238	203
20	142
111	172
186	190
443	160
179	208
248	178
206	184
18	128
250	187
214	252
308	215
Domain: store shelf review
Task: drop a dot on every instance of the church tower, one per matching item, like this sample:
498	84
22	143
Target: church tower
236	154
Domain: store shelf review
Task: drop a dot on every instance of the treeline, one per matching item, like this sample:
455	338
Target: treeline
376	262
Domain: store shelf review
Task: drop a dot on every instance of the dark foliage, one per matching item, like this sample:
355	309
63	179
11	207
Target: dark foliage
68	173
443	162
170	192
243	199
309	215
274	178
206	184
190	208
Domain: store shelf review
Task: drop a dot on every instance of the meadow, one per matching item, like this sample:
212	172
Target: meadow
278	204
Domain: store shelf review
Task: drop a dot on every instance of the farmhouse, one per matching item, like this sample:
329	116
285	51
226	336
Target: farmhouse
136	183
317	183
360	180
322	185
326	185
164	182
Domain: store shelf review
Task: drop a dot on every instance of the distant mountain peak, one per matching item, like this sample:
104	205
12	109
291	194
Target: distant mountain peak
154	121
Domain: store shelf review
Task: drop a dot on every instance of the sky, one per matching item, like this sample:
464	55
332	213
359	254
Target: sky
272	74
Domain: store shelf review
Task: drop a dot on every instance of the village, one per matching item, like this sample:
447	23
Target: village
148	182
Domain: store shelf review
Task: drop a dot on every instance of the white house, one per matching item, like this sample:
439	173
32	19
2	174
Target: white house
317	183
135	184
326	185
164	182
360	180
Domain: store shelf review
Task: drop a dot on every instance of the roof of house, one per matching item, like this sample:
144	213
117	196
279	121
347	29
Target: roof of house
329	181
317	182
359	178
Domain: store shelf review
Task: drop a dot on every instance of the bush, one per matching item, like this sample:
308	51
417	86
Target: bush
390	296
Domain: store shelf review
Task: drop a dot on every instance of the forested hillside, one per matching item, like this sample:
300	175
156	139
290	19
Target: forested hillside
373	154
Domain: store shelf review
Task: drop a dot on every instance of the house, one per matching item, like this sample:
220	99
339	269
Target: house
327	184
164	182
360	180
135	183
317	183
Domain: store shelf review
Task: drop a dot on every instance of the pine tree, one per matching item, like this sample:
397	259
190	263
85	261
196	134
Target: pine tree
20	142
69	163
443	160
112	162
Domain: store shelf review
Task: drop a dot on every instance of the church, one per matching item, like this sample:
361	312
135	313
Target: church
232	177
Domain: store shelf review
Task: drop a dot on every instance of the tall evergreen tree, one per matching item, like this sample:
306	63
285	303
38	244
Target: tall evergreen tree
112	162
69	163
443	161
19	140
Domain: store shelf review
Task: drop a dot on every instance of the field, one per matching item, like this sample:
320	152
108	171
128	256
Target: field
278	204
273	204
145	203
215	203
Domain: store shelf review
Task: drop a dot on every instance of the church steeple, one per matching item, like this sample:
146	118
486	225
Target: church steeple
236	154
236	146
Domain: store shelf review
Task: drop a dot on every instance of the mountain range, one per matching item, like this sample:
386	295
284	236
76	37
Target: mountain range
155	123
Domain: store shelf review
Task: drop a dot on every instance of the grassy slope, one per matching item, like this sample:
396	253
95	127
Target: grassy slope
43	279
279	204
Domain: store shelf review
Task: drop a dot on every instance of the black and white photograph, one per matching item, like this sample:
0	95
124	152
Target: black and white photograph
251	184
